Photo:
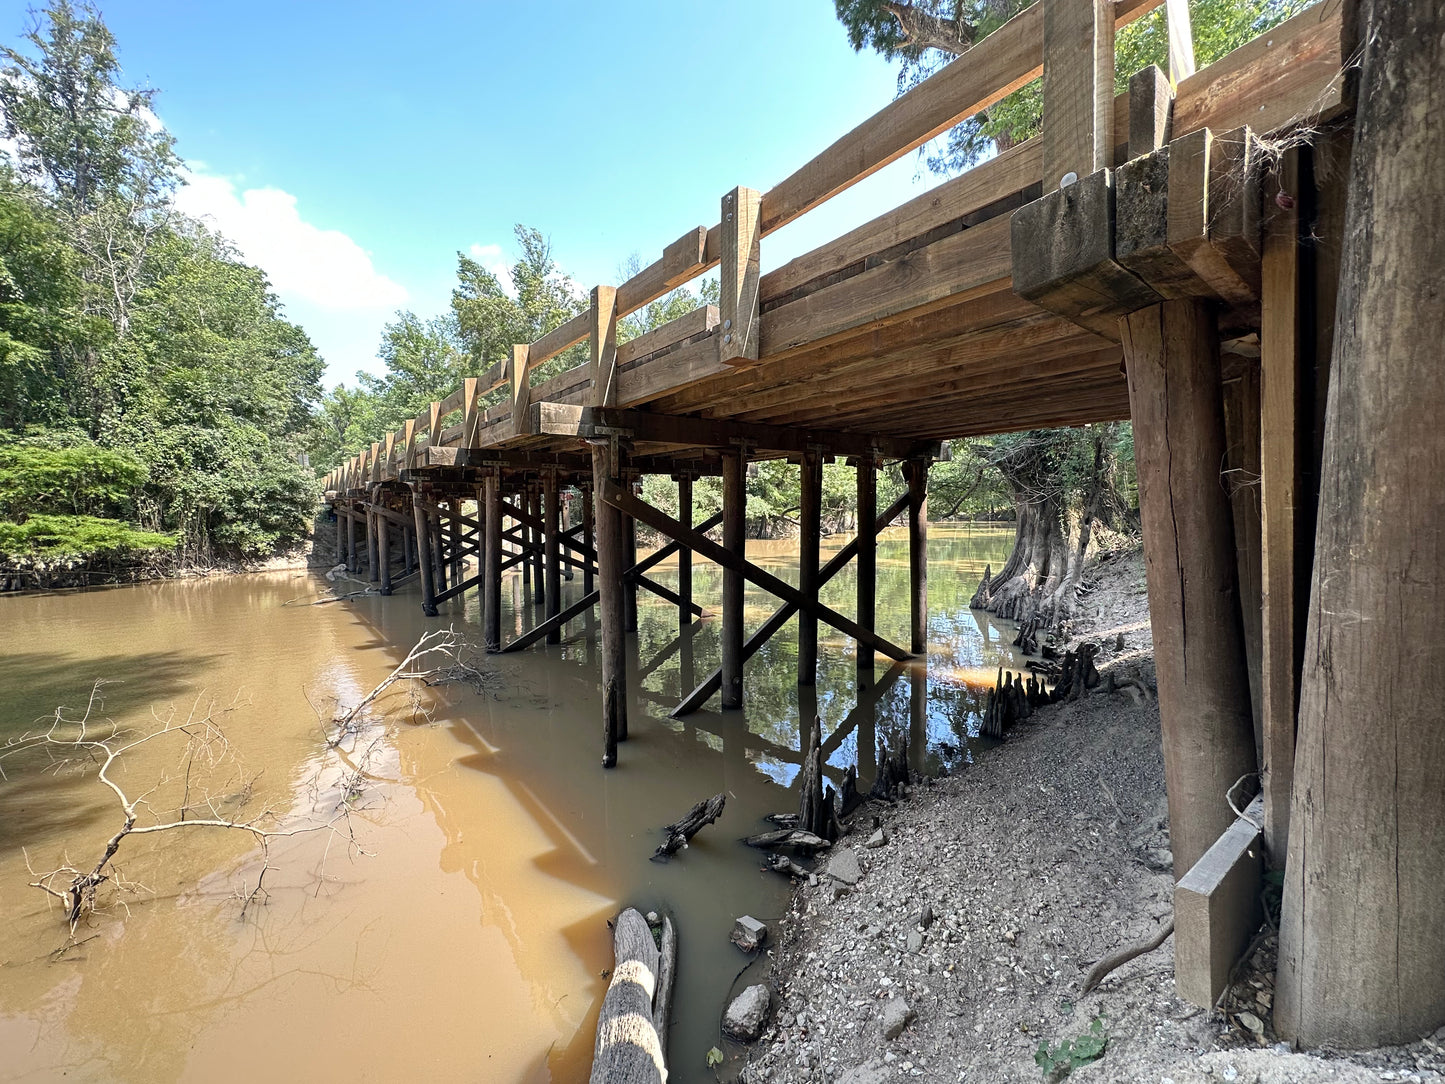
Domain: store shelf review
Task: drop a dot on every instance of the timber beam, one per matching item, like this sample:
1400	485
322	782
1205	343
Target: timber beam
595	423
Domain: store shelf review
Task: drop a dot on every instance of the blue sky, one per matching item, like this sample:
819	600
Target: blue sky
352	149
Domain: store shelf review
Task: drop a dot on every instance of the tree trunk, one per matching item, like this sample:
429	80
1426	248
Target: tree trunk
1362	947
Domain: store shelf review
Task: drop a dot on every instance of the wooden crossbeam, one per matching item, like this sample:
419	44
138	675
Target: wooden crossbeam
866	703
663	592
465	585
661	658
565	419
713	682
527	639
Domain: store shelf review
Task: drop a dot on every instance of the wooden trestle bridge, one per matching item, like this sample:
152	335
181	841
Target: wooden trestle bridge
1166	255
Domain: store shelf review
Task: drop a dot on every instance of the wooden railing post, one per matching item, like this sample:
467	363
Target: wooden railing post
520	384
738	276
1078	89
602	359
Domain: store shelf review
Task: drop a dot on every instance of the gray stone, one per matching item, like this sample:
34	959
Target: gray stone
877	839
915	942
873	1072
747	1014
897	1015
843	866
748	933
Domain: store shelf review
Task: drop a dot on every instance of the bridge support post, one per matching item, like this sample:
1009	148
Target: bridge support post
1175	397
424	553
684	567
438	548
350	538
534	509
810	526
588	564
383	552
552	544
867	560
373	573
917	474
629	558
610	563
340	532
491	519
734	522
408	548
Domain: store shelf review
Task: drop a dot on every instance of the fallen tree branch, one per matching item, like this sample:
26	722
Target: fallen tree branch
677	835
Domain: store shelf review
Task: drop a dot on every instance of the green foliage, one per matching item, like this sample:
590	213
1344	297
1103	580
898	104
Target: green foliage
714	1057
80	480
173	393
60	538
1059	1061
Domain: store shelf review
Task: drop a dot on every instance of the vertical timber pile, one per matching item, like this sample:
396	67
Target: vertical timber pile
534	509
917	473
373	574
438	546
608	522
684	560
1362	943
408	548
350	539
552	547
424	550
867	559
588	540
340	532
734	518
1175	399
491	518
383	550
629	558
810	527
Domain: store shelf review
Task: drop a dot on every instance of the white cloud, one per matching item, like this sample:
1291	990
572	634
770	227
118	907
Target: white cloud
304	262
490	257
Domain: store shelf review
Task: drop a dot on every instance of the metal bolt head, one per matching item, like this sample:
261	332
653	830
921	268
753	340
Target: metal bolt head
1068	178
727	325
727	338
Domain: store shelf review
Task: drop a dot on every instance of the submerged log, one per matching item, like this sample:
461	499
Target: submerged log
631	1027
679	833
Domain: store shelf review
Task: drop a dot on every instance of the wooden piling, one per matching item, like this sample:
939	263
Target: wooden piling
539	581
809	529
350	541
551	542
629	558
340	532
408	546
867	558
588	539
917	472
492	559
734	522
1172	354
424	551
438	548
684	561
373	574
608	523
383	551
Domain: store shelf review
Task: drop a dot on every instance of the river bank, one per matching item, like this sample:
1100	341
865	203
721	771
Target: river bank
963	945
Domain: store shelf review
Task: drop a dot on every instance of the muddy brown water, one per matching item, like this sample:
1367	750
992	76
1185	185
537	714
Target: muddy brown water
453	927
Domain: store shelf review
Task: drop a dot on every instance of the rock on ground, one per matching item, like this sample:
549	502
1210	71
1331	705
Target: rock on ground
747	1014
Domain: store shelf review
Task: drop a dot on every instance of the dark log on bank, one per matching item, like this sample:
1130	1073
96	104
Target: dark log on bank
791	838
633	1022
698	817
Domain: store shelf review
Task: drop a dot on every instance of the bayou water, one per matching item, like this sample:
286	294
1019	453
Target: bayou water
450	924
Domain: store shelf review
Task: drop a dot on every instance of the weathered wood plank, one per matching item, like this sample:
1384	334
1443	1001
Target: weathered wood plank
1078	130
1217	910
602	317
738	276
703	318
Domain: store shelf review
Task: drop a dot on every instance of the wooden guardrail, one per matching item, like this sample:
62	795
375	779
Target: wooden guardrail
1294	71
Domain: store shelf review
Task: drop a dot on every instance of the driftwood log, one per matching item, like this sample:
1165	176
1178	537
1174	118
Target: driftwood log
632	1027
791	838
677	835
781	863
